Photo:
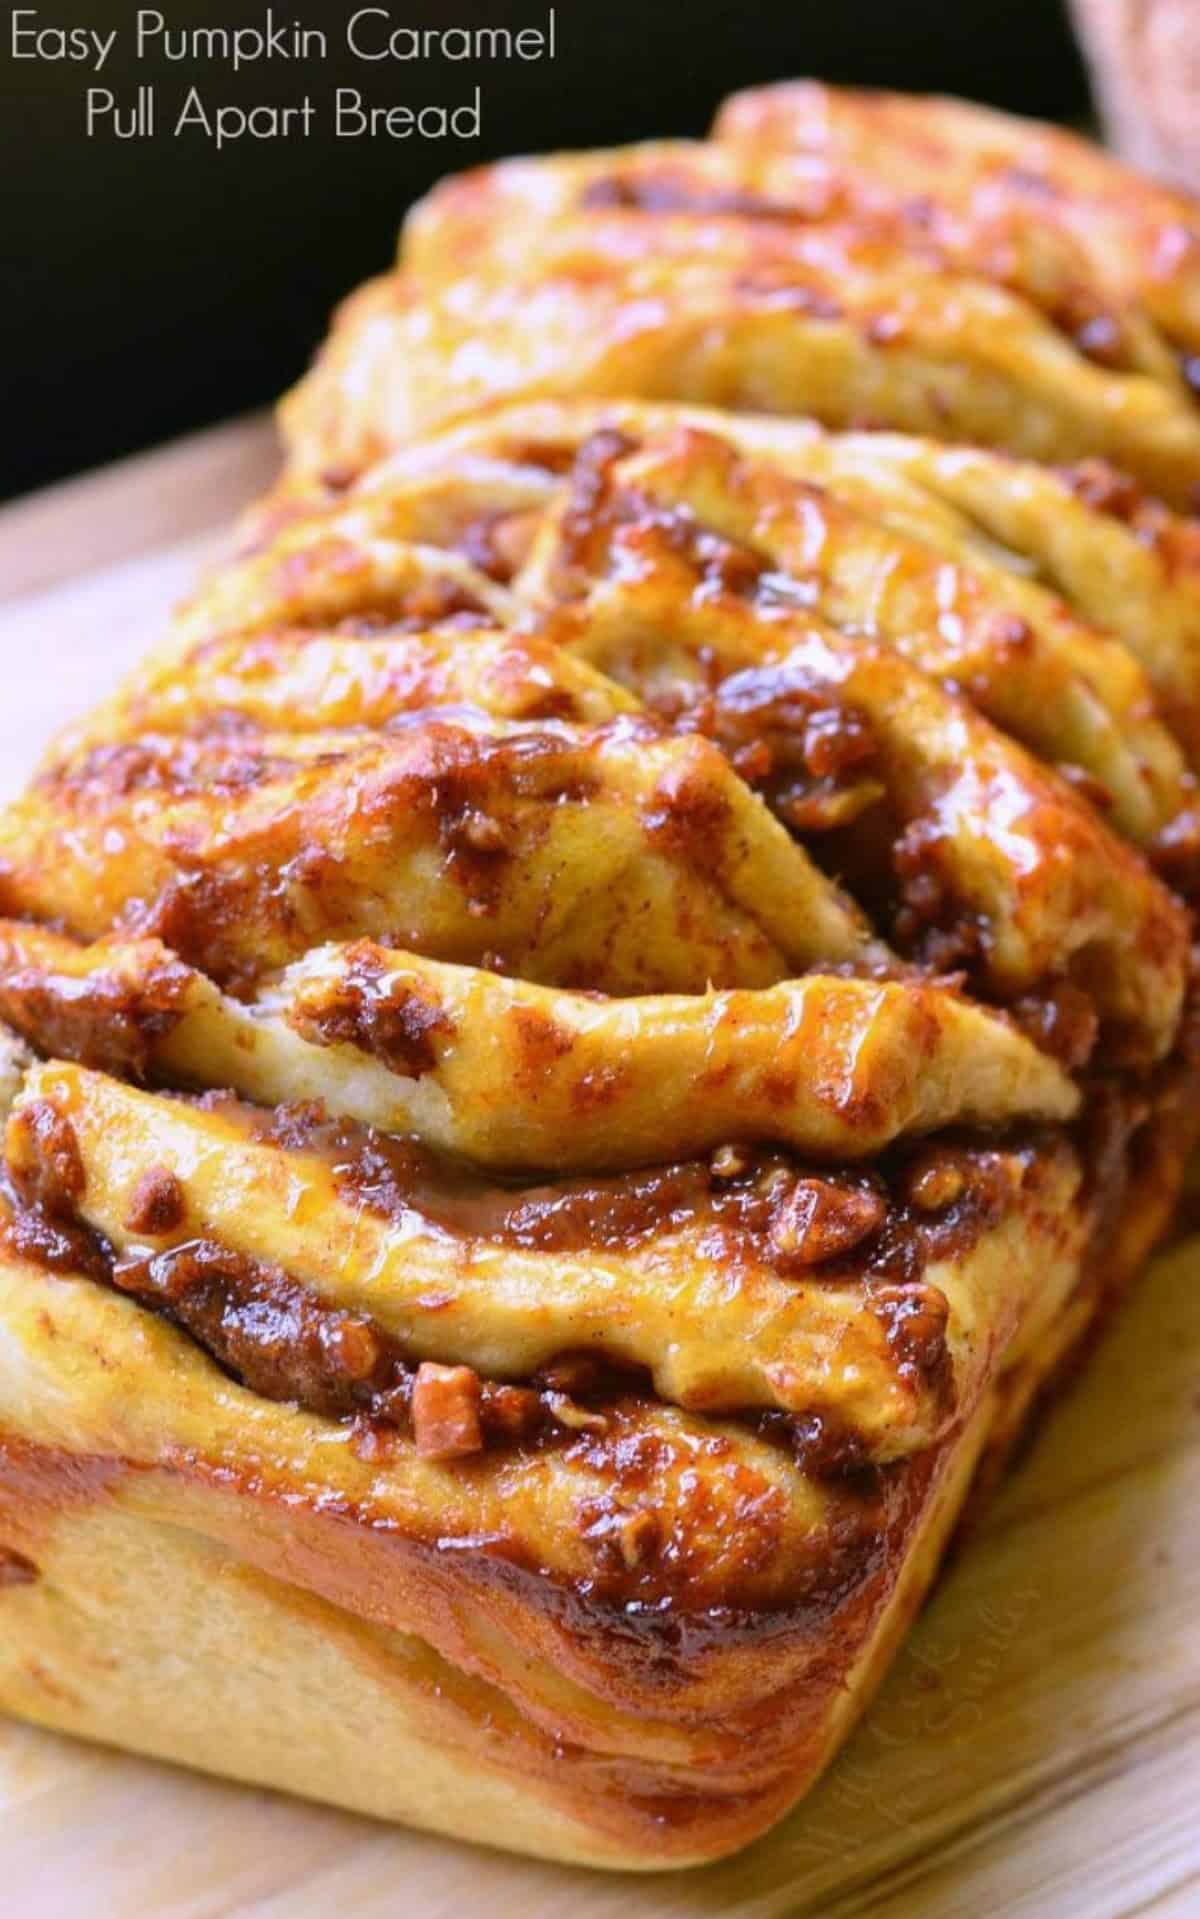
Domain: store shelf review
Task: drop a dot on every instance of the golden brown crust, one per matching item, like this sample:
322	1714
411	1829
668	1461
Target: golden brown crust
485	1739
921	265
825	649
515	1076
1081	556
613	1004
677	1736
730	1293
992	182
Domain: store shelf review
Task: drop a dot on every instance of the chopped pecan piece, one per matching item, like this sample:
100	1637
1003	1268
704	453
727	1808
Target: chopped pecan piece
730	1162
818	1220
157	1203
632	1536
44	1160
935	1182
569	1413
511	1412
445	1411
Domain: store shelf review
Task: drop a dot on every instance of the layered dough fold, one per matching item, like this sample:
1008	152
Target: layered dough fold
705	1281
516	1076
602	1016
1027	297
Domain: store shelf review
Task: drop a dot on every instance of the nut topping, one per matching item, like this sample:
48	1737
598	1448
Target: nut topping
445	1411
819	1220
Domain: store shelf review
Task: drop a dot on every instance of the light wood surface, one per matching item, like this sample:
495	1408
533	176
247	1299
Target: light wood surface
1036	1750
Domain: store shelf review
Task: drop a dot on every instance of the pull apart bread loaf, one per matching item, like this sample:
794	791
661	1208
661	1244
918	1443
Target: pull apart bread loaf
868	260
612	1007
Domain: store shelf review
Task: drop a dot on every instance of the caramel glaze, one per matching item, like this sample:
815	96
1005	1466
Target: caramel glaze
809	751
654	1637
805	749
922	1202
1136	1151
1083	314
105	1021
275	1336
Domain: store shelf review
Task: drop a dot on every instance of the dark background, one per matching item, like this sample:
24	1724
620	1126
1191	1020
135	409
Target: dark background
154	287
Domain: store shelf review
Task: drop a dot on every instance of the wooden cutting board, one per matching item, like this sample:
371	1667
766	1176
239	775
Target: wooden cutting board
1036	1750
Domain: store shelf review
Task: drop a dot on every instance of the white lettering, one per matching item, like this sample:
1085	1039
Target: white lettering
130	122
22	38
370	35
363	52
466	122
353	120
225	124
148	24
237	46
100	100
32	42
349	120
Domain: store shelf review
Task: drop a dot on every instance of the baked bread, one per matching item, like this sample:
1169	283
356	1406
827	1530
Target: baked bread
587	1036
865	259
